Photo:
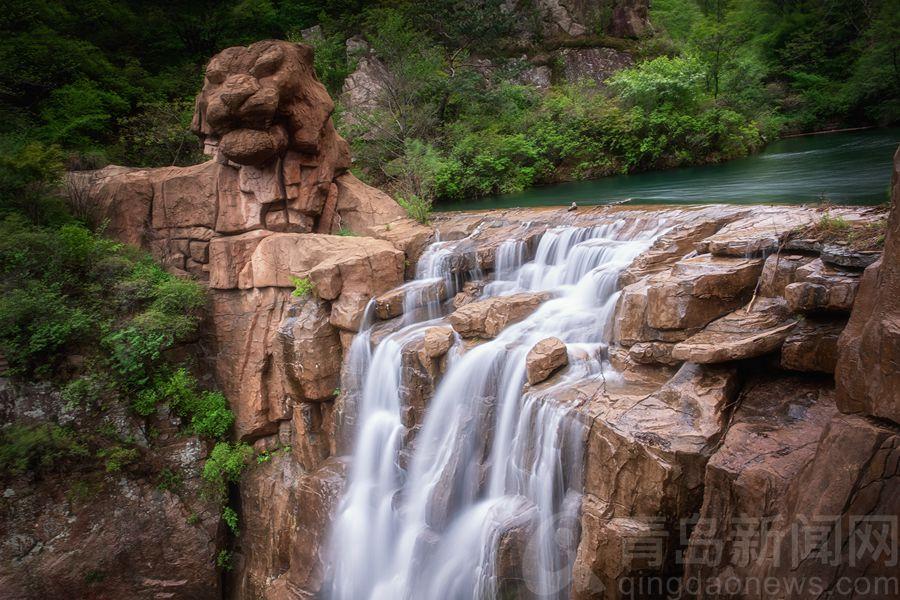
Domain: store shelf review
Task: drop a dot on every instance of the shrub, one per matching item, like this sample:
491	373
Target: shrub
231	519
302	287
116	457
676	81
225	464
225	560
158	135
417	208
207	411
169	480
38	448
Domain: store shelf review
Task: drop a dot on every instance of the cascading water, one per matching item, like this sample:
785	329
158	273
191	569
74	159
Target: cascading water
489	460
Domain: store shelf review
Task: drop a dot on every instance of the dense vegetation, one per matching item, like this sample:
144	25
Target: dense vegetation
713	79
102	326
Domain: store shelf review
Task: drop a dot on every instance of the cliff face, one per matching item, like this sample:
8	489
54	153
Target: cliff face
868	374
725	333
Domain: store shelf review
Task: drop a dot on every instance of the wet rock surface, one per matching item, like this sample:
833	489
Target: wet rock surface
746	333
667	437
544	358
822	287
487	318
868	370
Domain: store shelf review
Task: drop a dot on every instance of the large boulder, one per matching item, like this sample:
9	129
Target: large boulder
544	358
487	318
671	305
822	287
867	373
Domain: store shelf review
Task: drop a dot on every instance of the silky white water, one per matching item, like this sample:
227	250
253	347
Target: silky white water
489	461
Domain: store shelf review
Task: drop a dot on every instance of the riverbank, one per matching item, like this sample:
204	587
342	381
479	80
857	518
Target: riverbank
843	168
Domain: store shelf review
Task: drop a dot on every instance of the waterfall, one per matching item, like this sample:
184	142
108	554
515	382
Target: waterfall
493	461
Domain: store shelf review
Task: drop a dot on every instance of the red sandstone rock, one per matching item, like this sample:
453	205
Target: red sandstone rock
646	453
868	367
812	345
285	515
544	358
822	287
486	318
739	335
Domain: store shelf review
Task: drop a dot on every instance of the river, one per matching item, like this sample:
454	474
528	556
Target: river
844	168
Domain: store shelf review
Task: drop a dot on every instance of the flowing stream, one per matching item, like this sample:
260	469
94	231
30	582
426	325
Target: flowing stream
488	490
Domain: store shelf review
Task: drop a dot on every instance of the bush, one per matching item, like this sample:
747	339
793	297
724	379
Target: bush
302	287
117	457
159	135
38	448
206	411
417	208
231	519
674	81
225	464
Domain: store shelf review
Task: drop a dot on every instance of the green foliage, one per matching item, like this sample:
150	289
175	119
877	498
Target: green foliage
158	134
117	457
38	448
231	519
169	480
207	411
302	287
225	560
225	464
417	208
675	81
30	172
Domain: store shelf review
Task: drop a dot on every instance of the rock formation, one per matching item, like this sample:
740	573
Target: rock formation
868	372
724	337
286	296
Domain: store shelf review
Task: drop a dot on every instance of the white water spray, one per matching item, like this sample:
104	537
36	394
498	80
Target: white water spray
489	462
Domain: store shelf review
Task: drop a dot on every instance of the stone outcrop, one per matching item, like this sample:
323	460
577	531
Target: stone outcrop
281	504
868	371
746	333
75	528
812	345
544	358
595	65
672	304
774	507
645	459
576	18
822	287
277	165
486	318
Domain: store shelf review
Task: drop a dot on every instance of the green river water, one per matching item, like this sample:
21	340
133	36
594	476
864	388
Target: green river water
844	168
